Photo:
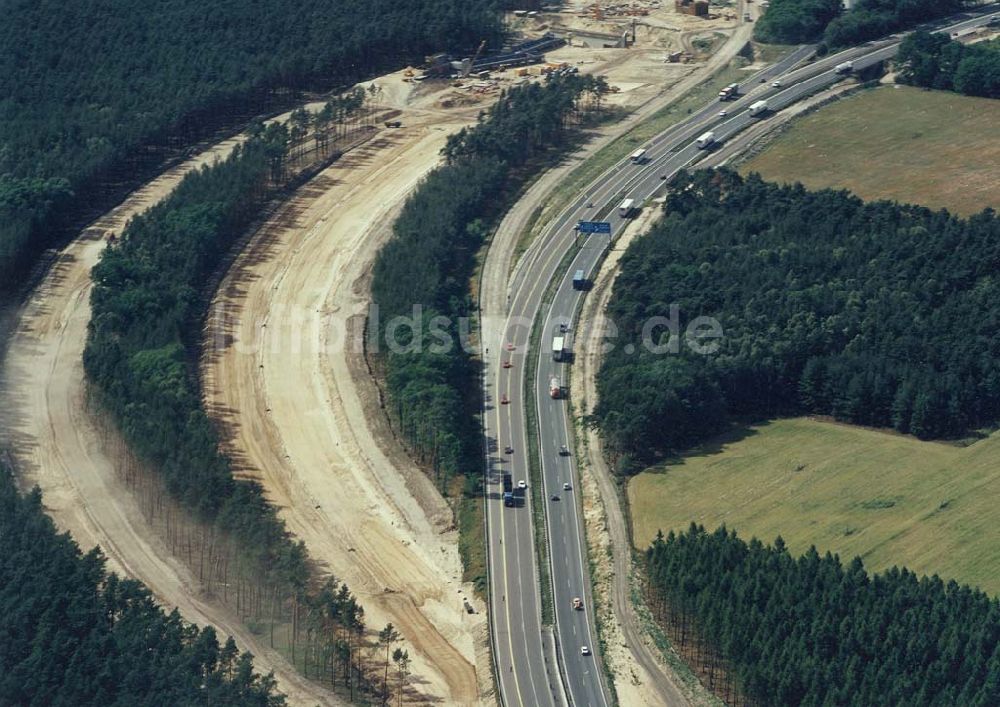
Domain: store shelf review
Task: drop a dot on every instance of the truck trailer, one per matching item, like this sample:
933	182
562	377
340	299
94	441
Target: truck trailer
558	348
705	140
758	108
729	92
508	490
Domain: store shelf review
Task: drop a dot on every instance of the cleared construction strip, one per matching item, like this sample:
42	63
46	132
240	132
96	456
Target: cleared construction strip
284	385
56	445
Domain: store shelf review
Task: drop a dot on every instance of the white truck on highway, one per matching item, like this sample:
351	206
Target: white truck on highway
558	348
705	140
626	208
758	108
638	157
844	68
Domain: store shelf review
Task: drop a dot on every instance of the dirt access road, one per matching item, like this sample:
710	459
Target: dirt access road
56	444
605	519
285	377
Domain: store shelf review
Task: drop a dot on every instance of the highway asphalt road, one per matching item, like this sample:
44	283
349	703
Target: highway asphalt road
527	674
568	559
525	655
525	651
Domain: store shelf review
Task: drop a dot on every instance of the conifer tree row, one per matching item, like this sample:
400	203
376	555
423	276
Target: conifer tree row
770	629
431	257
75	634
147	303
94	93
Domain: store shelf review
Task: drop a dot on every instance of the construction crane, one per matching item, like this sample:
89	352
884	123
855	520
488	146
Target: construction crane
475	58
482	46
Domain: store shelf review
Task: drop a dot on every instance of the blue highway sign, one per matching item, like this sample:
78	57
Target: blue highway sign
594	227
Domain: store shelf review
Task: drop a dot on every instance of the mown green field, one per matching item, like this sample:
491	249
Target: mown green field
934	148
893	500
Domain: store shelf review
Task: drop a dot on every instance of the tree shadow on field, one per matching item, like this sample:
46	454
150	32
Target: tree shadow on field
737	432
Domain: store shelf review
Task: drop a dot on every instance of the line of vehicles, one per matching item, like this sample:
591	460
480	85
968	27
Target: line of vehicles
708	139
617	181
757	109
730	93
513	496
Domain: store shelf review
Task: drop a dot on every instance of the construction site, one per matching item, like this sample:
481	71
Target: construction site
255	448
301	419
640	47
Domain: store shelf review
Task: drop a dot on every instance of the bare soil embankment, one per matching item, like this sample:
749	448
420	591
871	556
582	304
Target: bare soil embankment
57	446
284	375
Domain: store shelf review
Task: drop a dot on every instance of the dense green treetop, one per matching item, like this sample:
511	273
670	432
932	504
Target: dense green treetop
875	313
85	85
937	61
871	19
74	634
810	631
797	21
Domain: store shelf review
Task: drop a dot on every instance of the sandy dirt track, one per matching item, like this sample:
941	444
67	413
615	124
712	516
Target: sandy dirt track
291	396
56	445
640	678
